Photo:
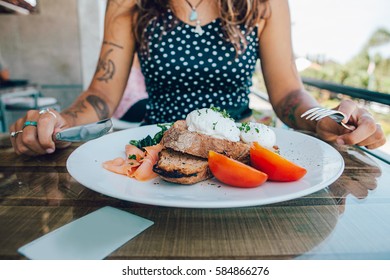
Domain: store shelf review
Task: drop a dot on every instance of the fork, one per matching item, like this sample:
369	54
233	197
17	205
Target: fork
318	113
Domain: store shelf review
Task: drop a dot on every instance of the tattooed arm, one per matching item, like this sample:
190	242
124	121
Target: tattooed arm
290	100
102	97
285	89
291	107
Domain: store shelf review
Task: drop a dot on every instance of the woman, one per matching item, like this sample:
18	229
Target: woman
194	54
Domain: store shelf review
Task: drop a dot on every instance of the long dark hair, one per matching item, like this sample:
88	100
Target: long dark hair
231	12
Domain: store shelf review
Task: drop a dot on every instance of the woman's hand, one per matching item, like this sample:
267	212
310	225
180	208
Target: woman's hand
367	132
33	134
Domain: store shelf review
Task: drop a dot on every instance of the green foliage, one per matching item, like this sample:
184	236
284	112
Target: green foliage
378	38
148	140
355	72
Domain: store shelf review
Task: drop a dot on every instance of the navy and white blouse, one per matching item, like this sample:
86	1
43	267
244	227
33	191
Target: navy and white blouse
185	71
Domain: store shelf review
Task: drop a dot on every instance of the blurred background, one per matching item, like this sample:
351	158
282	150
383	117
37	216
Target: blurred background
344	47
342	50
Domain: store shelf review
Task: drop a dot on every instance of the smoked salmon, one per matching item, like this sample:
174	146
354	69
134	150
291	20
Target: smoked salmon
137	164
145	171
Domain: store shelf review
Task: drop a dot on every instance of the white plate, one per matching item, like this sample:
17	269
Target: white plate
323	163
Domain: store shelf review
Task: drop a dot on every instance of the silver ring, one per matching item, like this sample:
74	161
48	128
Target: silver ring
47	110
14	133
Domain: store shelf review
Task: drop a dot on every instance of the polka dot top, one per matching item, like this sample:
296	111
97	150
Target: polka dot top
185	71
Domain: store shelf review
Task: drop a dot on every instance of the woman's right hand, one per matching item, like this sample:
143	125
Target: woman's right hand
33	134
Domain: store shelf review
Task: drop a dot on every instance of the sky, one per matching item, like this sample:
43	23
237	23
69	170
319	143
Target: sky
337	29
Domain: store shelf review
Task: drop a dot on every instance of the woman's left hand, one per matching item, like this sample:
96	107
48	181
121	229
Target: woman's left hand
367	132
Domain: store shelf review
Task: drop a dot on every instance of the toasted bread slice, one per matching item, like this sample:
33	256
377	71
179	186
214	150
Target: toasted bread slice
180	139
181	168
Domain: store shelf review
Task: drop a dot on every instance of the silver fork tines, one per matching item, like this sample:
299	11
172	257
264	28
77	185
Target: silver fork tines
318	113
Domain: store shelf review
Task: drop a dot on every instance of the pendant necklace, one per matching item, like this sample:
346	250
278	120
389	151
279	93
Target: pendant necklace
194	17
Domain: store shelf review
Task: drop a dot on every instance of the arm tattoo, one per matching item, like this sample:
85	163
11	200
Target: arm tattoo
99	105
112	44
288	107
106	67
79	108
101	108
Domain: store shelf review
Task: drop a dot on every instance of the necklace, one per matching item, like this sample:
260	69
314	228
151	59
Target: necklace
194	17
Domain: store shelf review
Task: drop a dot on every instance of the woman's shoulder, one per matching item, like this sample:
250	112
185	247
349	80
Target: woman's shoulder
276	12
269	7
121	3
120	8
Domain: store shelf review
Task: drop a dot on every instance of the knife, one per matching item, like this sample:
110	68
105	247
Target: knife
84	132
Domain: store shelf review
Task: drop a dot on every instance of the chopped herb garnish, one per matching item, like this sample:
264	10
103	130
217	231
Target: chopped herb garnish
223	112
257	130
245	127
148	140
214	124
132	157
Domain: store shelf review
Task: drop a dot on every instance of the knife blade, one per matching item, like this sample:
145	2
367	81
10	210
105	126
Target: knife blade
84	132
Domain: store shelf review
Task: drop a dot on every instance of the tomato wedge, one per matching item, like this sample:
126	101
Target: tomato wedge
275	166
234	173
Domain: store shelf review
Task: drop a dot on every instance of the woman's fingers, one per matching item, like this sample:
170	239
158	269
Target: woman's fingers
348	107
47	124
12	130
365	127
27	141
376	140
32	134
30	141
367	132
329	130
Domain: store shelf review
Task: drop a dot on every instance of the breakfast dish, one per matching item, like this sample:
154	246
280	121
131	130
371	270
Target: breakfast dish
323	163
181	153
186	153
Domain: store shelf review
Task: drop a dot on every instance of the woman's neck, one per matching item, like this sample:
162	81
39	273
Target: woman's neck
207	11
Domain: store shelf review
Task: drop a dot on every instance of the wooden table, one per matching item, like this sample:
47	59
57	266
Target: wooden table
350	219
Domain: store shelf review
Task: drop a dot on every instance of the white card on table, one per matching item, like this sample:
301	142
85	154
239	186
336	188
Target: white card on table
92	237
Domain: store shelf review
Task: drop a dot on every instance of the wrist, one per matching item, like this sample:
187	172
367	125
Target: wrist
293	106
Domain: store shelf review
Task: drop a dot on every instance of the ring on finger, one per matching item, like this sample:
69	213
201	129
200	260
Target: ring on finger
47	110
15	133
30	123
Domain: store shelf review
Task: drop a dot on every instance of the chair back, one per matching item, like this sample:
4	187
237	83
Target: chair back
15	102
